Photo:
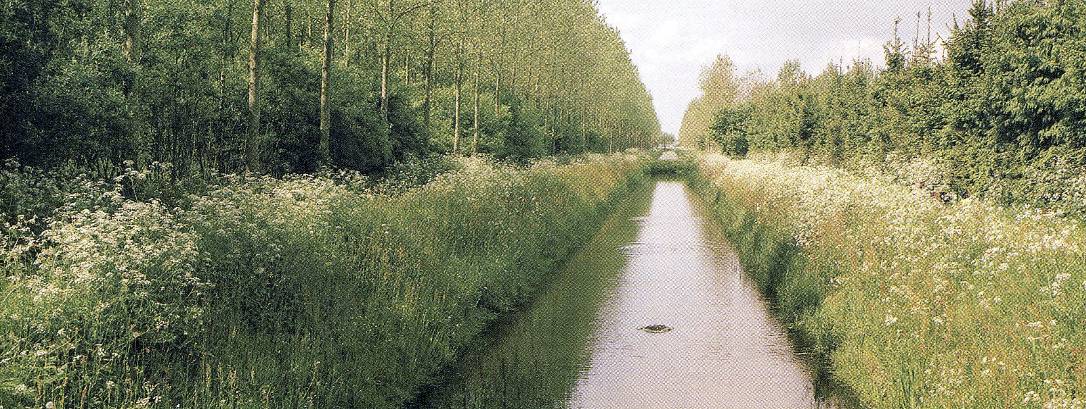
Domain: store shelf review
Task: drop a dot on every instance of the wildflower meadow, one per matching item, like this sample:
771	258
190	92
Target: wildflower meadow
912	302
303	291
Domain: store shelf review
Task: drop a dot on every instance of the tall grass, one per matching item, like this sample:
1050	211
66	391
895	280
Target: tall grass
297	292
914	303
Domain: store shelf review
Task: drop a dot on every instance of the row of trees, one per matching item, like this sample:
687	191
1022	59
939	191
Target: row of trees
282	86
720	88
1002	113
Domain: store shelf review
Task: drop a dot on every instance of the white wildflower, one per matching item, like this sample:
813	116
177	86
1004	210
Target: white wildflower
1030	397
890	320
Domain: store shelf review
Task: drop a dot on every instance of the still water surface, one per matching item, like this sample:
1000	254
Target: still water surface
658	260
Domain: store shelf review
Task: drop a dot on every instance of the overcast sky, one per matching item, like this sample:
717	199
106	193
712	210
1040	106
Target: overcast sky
672	39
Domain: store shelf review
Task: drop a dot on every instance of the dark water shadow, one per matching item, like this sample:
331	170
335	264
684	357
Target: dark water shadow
532	359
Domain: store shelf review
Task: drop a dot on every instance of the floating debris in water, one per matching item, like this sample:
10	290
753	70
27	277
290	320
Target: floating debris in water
656	329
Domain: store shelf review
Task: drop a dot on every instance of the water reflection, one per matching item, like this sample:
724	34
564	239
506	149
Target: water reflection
724	351
656	261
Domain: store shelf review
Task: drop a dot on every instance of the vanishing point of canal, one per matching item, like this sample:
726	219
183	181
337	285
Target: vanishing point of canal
659	259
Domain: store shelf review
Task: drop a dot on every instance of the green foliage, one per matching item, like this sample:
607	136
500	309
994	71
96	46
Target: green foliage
92	83
141	271
409	138
1008	97
720	88
524	139
302	291
359	138
672	168
730	132
292	127
88	97
902	296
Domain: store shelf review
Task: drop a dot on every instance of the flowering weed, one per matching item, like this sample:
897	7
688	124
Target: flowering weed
916	303
305	291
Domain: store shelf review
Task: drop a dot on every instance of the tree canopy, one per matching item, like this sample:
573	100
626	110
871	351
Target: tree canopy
1000	114
289	86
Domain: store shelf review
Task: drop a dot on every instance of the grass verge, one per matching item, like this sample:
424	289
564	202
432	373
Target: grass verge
298	292
912	303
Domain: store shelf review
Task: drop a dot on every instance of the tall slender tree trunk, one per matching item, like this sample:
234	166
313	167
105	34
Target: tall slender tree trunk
265	27
289	34
513	75
456	104
252	145
386	57
227	56
430	52
475	122
308	28
498	59
347	23
515	58
326	86
132	18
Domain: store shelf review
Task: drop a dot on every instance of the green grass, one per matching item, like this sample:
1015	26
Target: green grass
910	302
297	292
534	358
681	166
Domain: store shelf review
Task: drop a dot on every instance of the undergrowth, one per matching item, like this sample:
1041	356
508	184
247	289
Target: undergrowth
305	291
912	302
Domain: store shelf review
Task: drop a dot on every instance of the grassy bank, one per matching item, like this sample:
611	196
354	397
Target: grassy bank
912	302
298	292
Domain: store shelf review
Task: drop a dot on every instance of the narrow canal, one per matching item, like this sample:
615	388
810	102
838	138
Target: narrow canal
658	260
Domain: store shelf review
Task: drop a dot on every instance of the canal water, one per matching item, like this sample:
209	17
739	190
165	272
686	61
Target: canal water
658	260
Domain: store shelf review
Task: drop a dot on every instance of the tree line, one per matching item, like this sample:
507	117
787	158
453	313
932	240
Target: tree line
281	86
1000	112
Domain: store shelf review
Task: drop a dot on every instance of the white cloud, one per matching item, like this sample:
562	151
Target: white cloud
671	40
